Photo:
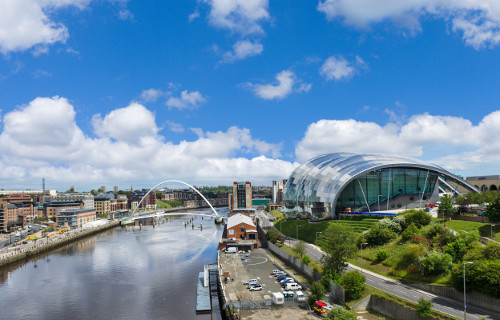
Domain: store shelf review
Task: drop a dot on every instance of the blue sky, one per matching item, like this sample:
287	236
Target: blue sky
213	91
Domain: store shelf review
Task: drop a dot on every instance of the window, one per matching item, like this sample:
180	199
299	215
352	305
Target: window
231	232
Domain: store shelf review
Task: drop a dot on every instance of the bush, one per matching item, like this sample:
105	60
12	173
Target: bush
274	236
353	283
401	220
382	254
388	223
475	253
434	230
419	217
459	247
492	251
434	263
378	235
341	314
317	292
424	308
409	232
306	259
493	210
482	276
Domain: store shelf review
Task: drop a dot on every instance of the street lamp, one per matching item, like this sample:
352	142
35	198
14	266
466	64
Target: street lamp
492	231
317	236
465	299
297	232
361	245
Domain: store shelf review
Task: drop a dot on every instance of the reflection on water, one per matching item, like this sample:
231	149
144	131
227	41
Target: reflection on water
120	274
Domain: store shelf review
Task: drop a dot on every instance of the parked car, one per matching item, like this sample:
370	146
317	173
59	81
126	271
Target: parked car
255	287
286	281
6	244
292	286
250	281
275	272
282	277
280	273
300	296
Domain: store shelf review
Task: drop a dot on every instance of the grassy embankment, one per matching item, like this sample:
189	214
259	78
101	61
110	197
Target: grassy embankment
169	204
483	228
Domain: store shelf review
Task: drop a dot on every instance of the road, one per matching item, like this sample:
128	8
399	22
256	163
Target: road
396	288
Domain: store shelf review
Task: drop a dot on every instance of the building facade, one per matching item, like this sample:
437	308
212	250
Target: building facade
347	182
485	183
242	196
75	218
87	199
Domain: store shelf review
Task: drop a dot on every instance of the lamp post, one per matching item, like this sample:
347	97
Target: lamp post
297	231
317	236
492	225
361	245
465	298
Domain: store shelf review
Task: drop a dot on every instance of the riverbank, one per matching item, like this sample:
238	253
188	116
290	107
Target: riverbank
43	246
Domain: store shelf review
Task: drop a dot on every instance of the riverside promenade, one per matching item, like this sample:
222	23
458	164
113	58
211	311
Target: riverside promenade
19	252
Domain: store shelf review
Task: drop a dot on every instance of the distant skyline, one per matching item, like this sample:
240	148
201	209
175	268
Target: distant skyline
128	92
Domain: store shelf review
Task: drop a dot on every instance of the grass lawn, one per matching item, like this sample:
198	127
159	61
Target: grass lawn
277	214
162	204
313	264
307	230
483	228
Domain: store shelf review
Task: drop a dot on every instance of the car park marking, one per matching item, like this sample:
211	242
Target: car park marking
254	264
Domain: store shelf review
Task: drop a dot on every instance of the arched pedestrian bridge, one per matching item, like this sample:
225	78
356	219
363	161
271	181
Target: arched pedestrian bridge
134	215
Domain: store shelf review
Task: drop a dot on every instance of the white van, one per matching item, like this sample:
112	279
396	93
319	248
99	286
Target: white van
292	286
300	297
231	250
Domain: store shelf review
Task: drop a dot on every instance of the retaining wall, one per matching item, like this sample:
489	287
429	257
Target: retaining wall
41	248
473	298
296	263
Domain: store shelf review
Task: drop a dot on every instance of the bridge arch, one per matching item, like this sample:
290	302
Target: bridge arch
177	181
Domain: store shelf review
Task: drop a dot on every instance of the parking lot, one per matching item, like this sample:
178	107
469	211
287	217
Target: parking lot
243	266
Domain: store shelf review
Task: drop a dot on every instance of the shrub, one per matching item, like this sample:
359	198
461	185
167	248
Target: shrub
459	247
378	235
475	253
419	217
482	276
434	263
353	283
434	230
306	259
419	239
413	251
424	308
382	254
409	232
492	251
317	292
493	210
401	220
388	223
341	314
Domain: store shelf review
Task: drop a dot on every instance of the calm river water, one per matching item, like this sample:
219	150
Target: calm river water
119	274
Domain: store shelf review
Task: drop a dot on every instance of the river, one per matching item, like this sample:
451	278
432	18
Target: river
119	274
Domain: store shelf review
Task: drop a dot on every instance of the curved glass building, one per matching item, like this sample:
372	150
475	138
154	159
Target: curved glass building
348	182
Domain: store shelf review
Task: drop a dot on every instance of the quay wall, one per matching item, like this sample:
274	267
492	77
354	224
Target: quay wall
43	247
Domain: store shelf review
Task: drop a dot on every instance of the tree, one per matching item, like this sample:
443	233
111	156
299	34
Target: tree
434	263
419	217
274	236
446	206
94	192
493	210
409	232
339	243
424	308
317	292
299	248
353	283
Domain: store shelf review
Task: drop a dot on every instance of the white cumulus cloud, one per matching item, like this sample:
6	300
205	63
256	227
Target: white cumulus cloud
285	84
187	100
26	23
42	139
242	50
240	16
338	68
448	140
477	20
